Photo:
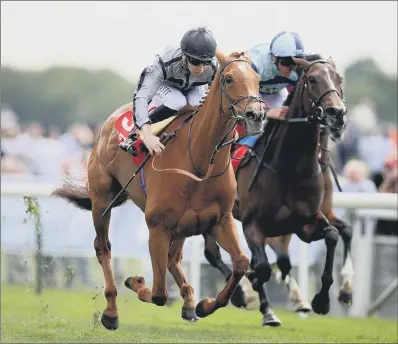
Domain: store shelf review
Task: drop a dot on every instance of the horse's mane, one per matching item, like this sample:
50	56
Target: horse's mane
312	57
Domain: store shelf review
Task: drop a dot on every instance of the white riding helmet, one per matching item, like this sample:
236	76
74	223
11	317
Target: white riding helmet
287	44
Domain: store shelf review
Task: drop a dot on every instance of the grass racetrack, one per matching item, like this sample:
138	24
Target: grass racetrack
60	316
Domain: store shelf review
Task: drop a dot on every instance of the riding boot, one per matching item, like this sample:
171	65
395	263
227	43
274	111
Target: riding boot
159	114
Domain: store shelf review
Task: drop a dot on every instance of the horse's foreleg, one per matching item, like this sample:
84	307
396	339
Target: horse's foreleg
213	256
322	229
347	272
186	290
260	271
102	245
158	249
225	234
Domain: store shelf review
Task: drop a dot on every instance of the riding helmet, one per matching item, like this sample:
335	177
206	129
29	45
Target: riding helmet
199	43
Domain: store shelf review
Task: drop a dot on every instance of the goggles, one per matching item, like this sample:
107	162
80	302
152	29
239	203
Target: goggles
196	62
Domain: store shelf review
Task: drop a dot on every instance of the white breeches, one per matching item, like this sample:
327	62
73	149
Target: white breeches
275	100
174	99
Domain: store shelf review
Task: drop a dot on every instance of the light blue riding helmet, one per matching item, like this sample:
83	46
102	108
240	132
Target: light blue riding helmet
287	44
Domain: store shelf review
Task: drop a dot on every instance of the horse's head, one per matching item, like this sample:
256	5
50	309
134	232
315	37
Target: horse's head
240	91
324	91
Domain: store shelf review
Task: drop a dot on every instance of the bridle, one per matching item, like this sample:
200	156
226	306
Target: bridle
317	113
231	104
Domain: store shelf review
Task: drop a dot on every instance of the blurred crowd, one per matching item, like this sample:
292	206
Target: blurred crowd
45	154
365	159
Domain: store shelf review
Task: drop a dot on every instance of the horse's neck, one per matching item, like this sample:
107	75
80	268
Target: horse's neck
209	128
298	142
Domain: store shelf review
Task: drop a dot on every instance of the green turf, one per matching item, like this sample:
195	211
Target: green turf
71	317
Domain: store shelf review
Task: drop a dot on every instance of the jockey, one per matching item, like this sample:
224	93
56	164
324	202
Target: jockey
177	79
273	62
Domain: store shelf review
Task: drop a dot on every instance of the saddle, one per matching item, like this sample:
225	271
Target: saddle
124	125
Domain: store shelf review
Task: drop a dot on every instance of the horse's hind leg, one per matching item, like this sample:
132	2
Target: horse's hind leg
260	271
213	256
102	245
282	274
158	248
186	290
347	272
227	237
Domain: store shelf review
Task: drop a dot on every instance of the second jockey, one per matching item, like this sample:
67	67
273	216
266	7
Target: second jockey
273	62
177	78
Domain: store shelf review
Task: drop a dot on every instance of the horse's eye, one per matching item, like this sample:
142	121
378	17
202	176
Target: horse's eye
311	80
228	80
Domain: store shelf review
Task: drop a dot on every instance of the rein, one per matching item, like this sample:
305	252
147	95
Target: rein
234	115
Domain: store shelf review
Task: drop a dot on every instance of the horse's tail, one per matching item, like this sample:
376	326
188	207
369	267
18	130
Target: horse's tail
78	195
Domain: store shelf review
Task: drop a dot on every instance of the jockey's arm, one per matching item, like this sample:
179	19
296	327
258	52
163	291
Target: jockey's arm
152	81
281	112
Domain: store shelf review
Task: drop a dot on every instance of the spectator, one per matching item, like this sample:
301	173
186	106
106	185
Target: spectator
356	175
389	185
54	132
373	149
354	179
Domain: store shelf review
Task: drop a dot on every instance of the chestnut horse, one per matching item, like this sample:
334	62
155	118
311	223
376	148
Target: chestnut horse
290	189
194	199
280	245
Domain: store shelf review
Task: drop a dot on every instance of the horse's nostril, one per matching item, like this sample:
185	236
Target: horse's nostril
333	111
251	115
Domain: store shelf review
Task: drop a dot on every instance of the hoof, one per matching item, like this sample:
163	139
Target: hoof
320	305
135	283
110	323
199	310
345	298
189	314
127	282
159	300
270	319
303	307
238	297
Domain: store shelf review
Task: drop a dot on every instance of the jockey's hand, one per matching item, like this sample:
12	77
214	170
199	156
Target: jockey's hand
278	113
152	142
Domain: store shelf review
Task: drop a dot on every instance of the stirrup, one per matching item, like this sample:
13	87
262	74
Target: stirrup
128	144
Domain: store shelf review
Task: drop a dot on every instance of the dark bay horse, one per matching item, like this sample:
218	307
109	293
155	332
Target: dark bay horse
291	191
280	244
190	190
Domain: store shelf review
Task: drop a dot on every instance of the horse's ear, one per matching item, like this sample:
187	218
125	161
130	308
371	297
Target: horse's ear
241	54
246	55
222	59
301	63
331	61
